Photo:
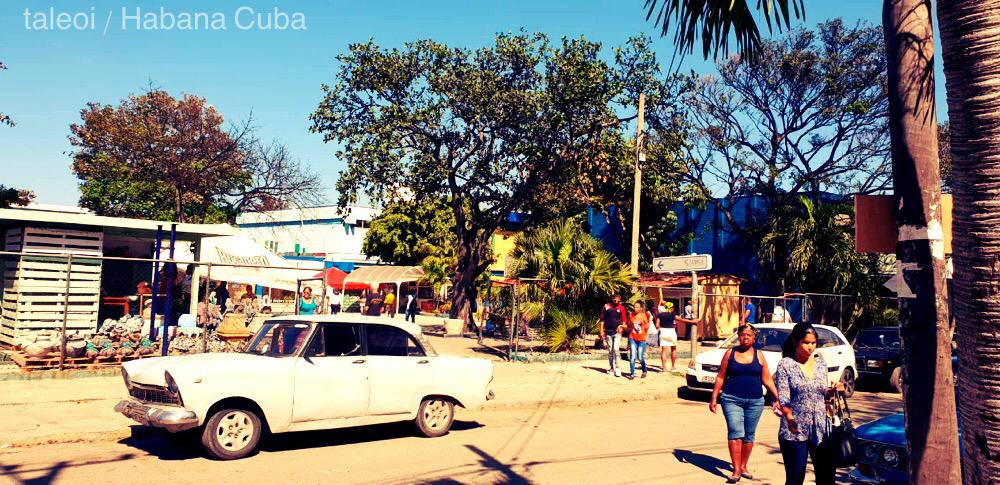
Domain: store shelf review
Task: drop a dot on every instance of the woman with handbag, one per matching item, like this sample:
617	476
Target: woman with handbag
803	392
741	375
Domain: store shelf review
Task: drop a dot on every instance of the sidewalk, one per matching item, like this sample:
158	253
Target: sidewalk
71	410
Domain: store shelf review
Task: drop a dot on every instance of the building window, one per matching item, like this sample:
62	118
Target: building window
362	224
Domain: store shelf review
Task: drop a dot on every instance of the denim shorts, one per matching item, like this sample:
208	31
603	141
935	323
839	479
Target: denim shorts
742	416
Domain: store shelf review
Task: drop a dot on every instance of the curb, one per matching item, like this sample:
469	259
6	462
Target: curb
40	375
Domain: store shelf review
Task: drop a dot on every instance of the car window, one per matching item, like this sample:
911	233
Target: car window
826	338
878	338
335	340
279	339
768	339
391	341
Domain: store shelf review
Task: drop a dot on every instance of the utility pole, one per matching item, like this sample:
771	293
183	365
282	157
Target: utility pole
637	189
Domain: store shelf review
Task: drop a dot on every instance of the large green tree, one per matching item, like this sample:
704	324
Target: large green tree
406	232
159	157
489	130
931	429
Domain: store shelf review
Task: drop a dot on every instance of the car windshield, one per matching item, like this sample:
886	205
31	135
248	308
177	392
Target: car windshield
877	338
768	339
279	339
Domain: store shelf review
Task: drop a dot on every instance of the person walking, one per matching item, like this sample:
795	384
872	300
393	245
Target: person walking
222	295
803	392
390	304
742	374
374	302
307	305
749	314
336	301
411	306
613	318
638	328
667	327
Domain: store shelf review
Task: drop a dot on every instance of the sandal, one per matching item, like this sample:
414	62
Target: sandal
746	475
733	479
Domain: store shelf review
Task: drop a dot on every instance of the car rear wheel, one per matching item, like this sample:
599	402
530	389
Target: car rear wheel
434	417
231	434
849	382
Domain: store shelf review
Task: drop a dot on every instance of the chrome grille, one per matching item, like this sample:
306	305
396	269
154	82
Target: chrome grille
709	368
152	394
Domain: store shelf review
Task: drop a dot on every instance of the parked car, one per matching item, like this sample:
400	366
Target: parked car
882	458
830	343
303	373
879	356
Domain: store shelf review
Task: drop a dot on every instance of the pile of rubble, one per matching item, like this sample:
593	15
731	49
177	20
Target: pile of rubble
127	337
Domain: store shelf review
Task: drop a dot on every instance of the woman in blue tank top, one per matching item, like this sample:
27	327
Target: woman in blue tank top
742	374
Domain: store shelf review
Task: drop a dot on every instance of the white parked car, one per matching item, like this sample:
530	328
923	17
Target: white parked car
830	343
306	373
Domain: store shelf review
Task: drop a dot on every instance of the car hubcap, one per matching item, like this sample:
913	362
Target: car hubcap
436	414
848	381
234	431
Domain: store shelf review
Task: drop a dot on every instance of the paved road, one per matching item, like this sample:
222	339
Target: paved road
668	441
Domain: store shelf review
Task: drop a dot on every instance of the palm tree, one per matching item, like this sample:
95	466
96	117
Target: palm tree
575	275
931	431
970	35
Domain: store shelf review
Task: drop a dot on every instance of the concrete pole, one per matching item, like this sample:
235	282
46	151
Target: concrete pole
637	189
695	312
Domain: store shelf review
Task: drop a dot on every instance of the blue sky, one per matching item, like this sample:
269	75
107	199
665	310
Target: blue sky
275	74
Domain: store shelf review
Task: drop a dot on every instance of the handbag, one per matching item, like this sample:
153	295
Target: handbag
843	439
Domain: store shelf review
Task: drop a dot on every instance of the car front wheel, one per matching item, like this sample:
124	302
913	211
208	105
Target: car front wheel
896	379
434	417
849	382
231	434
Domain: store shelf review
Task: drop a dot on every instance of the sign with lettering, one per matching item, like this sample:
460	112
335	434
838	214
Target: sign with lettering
683	264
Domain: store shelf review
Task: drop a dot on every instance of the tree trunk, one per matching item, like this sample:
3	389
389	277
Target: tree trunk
928	399
464	282
970	34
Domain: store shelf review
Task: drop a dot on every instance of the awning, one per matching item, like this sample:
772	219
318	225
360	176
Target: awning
254	264
334	278
373	275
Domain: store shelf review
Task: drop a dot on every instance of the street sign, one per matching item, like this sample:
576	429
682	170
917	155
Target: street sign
682	264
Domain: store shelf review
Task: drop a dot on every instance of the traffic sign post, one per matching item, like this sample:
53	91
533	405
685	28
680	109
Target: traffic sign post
683	264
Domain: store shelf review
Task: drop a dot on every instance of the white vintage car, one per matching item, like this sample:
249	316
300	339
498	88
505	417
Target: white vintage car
306	373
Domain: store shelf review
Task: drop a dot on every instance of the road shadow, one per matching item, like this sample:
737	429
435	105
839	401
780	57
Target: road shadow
17	473
186	446
688	394
710	464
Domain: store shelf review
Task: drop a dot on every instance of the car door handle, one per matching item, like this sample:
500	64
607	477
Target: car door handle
424	362
359	361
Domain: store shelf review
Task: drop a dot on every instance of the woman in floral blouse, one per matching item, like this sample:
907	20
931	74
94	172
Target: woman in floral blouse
803	390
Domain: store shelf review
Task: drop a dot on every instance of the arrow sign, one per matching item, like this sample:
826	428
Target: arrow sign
683	264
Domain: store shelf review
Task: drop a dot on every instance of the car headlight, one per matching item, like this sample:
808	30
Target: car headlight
890	457
869	453
691	365
125	377
172	387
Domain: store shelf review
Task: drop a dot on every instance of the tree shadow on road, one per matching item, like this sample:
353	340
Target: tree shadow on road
710	464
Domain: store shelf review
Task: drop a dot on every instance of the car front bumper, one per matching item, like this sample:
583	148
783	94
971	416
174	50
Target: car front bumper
700	380
172	419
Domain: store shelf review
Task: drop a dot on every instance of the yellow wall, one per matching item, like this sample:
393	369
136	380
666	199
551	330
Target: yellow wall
503	244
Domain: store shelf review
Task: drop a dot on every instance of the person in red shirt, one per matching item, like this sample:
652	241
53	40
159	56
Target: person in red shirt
638	328
614	317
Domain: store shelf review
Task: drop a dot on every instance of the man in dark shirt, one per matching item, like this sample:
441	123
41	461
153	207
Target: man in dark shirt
614	318
373	302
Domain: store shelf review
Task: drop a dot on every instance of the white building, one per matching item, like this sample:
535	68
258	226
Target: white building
318	233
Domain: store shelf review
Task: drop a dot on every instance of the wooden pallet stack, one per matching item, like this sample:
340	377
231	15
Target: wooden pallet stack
35	284
28	363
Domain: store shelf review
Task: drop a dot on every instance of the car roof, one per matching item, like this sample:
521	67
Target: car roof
352	318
